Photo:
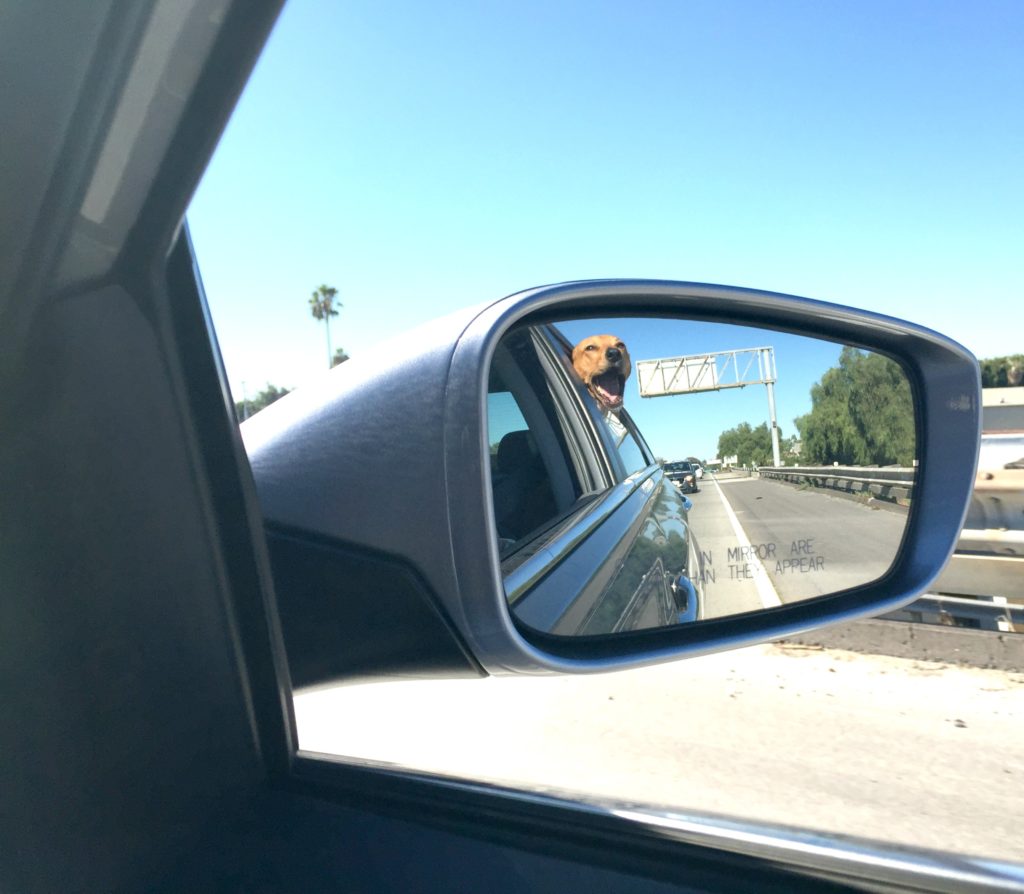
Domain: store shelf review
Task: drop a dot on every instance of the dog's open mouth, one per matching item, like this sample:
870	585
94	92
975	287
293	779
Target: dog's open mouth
608	387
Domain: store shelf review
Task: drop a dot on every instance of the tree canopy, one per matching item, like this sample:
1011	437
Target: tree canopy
1003	372
245	408
750	446
323	305
862	414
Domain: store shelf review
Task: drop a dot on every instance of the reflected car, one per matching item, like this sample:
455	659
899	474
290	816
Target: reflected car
549	484
683	475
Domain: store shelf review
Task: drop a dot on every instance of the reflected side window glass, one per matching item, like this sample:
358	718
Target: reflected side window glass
532	481
633	456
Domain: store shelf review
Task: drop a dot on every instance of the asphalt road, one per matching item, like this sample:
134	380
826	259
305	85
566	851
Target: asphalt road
767	542
902	751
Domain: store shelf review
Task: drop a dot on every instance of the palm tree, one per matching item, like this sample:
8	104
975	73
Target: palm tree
323	306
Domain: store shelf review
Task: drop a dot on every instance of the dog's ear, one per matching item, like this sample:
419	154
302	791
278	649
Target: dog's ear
573	354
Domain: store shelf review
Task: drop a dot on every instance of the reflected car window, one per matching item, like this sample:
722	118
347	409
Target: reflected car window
532	480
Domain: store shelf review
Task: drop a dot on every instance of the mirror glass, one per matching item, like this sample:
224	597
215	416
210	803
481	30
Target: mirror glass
652	472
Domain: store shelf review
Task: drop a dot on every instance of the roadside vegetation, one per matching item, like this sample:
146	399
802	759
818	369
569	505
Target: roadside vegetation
245	408
862	414
323	305
753	446
1003	372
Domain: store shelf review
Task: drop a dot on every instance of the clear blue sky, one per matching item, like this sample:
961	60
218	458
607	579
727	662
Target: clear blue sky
424	157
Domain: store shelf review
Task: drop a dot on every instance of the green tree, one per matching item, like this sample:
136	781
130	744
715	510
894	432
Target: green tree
324	305
339	357
729	442
862	414
750	446
246	407
1003	372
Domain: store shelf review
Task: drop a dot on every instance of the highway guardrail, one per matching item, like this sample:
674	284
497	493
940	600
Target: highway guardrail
893	484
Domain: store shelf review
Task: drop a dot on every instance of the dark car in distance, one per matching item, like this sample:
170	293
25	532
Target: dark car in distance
683	475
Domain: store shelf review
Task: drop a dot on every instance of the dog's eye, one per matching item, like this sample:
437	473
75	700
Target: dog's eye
590	348
620	346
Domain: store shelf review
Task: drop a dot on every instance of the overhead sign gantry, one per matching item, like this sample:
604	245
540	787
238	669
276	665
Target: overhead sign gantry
713	372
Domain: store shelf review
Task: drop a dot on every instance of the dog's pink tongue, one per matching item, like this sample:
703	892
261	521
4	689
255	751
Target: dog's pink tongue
610	388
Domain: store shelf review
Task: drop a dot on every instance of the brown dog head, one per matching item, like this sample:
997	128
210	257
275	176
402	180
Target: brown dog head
602	362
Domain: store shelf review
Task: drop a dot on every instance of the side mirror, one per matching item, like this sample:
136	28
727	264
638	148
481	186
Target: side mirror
521	509
815	445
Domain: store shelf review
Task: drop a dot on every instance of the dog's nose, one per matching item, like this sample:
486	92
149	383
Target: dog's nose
613	354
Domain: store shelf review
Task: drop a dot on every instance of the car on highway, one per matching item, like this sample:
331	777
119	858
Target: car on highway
683	474
169	580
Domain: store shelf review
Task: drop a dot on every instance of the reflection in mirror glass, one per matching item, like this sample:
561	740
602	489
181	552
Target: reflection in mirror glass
653	472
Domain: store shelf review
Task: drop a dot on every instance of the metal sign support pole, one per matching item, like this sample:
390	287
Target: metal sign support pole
768	375
775	425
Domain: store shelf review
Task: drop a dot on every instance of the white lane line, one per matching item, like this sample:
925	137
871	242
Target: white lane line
769	598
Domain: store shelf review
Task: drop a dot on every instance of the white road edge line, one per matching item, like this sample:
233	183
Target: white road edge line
769	598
